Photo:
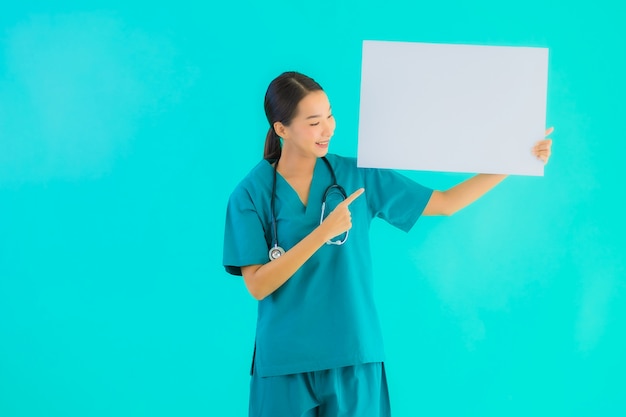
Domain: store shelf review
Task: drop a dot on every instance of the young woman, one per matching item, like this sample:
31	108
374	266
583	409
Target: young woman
297	230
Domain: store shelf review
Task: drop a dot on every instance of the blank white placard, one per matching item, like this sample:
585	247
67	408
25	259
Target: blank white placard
453	108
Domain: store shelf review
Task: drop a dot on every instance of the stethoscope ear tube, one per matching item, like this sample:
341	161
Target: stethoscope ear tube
275	251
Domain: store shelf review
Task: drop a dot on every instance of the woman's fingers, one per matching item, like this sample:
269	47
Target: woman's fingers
543	149
340	220
353	196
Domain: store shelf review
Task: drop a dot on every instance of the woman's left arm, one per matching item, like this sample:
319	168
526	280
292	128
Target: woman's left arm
446	203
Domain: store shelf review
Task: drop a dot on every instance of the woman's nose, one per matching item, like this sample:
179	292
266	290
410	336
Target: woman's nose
329	127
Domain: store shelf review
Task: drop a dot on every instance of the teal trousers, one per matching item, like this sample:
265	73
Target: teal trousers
353	391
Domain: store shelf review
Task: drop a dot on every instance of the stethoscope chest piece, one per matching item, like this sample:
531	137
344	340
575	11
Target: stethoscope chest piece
276	252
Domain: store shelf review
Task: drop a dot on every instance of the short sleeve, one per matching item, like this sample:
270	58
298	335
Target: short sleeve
394	197
244	234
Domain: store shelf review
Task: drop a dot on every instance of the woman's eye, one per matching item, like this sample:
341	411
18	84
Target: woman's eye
317	123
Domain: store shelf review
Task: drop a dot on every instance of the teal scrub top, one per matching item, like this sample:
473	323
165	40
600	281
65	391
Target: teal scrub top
324	316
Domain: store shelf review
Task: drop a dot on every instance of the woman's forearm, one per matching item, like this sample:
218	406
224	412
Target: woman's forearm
262	280
449	202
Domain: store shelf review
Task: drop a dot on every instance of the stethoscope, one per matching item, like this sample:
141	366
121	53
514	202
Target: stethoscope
276	251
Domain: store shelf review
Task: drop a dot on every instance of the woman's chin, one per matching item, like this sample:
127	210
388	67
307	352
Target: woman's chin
321	149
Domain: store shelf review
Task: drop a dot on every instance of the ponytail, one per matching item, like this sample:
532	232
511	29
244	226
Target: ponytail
272	145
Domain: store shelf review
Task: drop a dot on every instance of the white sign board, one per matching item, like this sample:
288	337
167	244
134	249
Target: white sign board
453	108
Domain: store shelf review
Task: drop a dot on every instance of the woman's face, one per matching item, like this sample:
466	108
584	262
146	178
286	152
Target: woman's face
311	129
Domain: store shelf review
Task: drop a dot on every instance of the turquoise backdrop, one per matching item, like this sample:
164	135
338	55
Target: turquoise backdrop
124	126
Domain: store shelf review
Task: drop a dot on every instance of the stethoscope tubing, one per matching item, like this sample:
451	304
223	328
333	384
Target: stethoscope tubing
276	251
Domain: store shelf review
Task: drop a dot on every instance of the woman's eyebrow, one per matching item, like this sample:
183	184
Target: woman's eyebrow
330	109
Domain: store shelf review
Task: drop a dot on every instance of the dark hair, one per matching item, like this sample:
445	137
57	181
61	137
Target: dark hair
281	101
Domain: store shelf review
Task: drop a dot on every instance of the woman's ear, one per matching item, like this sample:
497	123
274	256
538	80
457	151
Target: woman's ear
280	129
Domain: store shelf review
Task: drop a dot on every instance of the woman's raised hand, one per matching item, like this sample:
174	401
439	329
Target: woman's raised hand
340	219
543	148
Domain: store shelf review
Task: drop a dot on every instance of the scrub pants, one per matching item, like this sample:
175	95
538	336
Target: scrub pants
352	391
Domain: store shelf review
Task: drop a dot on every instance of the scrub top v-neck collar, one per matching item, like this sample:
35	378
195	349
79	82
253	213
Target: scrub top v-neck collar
293	198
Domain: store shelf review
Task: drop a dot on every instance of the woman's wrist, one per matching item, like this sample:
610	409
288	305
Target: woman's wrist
322	234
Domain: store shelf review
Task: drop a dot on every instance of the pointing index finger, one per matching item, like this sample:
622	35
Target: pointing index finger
353	196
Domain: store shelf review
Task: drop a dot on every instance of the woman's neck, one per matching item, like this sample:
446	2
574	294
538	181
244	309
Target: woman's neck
292	164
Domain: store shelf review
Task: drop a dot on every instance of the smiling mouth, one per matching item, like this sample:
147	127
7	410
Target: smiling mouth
323	142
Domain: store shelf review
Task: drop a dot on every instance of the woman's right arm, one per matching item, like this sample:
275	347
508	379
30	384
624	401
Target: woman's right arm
262	280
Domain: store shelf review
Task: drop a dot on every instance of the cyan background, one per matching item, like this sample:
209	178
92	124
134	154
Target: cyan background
124	126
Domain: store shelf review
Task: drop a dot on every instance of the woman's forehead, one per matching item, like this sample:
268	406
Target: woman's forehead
314	103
